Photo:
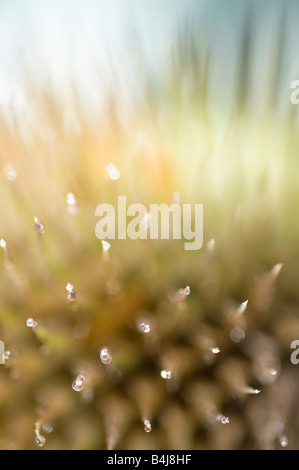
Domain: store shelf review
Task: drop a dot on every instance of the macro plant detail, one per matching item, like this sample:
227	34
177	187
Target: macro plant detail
137	343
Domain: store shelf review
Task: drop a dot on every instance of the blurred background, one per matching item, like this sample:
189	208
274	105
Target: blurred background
140	344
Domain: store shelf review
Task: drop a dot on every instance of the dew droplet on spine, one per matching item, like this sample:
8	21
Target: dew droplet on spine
47	428
10	172
105	356
283	441
187	290
222	419
7	355
112	172
9	264
181	294
211	245
147	425
215	350
70	199
266	368
38	227
72	204
40	440
69	287
31	323
78	383
237	335
8	260
106	246
72	294
251	391
166	374
143	326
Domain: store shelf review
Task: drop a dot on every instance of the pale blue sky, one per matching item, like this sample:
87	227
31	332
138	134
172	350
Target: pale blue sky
82	40
118	41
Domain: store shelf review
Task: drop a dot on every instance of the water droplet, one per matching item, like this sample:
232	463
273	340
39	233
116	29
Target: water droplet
211	245
246	389
284	441
31	323
143	326
105	245
7	355
215	350
70	199
147	425
180	294
78	383
222	419
2	243
72	294
237	335
105	356
166	374
40	440
112	172
10	172
266	370
253	391
47	428
187	290
77	387
72	204
38	227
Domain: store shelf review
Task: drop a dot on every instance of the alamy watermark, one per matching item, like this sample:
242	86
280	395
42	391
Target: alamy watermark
162	221
295	354
294	96
2	352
